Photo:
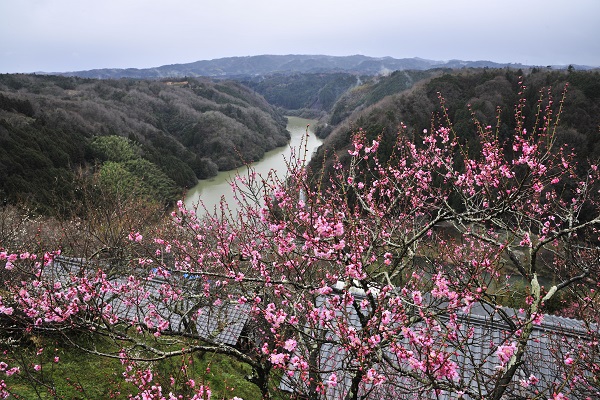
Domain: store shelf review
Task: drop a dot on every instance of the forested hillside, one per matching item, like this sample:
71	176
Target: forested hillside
370	92
486	92
336	95
176	132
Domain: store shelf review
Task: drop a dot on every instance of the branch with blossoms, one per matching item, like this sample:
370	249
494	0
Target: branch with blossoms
138	313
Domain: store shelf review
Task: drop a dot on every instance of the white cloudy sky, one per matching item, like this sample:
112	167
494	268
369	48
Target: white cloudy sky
69	35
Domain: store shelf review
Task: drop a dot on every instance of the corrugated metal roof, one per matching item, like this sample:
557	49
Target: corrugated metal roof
477	361
220	323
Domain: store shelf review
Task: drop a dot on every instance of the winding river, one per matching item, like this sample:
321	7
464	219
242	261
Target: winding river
209	191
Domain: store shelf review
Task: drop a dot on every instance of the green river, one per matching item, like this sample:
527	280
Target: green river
209	191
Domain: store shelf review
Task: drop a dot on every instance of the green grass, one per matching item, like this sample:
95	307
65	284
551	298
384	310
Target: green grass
77	375
81	375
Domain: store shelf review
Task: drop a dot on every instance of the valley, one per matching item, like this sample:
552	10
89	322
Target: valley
441	230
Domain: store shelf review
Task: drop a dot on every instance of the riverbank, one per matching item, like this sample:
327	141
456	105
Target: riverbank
207	193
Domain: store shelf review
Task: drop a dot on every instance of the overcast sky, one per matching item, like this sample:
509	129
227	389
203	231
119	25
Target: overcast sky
71	35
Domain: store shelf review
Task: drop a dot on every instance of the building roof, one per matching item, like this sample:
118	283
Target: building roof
219	323
222	323
476	356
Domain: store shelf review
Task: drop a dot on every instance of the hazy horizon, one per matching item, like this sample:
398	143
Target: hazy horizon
316	55
74	35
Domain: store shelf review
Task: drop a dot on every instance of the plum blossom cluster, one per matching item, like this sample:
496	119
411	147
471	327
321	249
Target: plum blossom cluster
7	372
148	389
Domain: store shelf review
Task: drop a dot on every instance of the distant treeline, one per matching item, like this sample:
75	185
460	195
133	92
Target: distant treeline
317	92
176	132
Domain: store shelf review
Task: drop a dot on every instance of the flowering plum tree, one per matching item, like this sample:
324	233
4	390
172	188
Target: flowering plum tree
387	280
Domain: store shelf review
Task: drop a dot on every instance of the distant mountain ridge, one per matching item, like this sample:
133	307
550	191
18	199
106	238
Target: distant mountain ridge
232	67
